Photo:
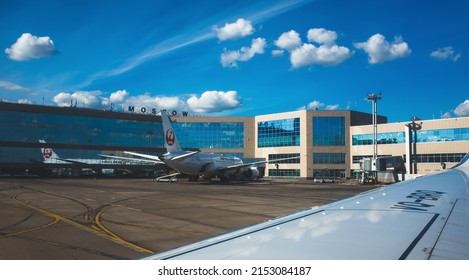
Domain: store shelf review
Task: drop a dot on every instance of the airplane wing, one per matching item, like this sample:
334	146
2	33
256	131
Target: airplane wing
184	155
71	161
258	163
131	159
153	158
423	218
156	158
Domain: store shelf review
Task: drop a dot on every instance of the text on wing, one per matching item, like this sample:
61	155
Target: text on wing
420	200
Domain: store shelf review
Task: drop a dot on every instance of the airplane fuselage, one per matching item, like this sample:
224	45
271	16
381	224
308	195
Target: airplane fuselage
205	164
83	160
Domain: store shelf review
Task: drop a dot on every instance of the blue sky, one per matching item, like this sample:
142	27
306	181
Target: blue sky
239	58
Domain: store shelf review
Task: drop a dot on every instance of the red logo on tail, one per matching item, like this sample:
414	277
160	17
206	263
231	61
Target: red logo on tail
170	138
47	153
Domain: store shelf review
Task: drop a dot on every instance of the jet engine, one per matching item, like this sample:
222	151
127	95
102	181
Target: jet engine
251	173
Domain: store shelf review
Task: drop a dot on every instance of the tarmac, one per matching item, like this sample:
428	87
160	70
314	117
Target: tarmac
89	219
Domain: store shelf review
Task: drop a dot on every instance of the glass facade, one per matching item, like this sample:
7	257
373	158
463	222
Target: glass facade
423	136
74	136
443	135
26	127
329	131
21	155
284	172
382	138
329	173
438	158
210	135
329	158
279	133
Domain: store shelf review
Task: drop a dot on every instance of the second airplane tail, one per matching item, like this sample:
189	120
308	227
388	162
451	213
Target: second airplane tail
48	154
171	142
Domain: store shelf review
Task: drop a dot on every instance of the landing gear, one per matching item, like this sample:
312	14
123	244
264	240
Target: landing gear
193	178
224	179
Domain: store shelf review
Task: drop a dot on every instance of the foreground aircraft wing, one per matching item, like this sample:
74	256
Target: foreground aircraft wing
424	218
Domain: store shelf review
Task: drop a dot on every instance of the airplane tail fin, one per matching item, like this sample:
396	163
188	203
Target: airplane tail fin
171	142
48	154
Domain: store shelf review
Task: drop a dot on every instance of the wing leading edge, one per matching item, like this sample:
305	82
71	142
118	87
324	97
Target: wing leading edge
424	218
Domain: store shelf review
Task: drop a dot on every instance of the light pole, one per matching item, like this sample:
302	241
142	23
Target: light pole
373	97
413	128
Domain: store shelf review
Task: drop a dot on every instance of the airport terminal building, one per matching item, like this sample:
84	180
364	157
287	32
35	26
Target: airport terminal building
330	142
440	143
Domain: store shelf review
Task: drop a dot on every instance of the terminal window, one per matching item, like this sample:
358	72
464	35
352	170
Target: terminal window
443	135
279	133
381	138
284	172
329	173
329	158
329	131
438	158
423	136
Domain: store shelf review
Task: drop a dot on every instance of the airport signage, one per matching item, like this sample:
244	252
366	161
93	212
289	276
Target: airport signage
154	111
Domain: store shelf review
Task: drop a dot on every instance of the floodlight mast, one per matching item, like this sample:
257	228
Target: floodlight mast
373	97
414	127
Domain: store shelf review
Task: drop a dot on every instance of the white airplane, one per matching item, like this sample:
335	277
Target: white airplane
51	157
423	218
207	165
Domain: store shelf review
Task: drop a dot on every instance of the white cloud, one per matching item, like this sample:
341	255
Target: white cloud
288	40
231	58
322	36
158	102
24	101
332	107
29	47
463	109
214	101
117	97
301	55
446	53
379	50
446	115
80	98
94	99
12	86
316	105
278	52
208	102
239	29
325	55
